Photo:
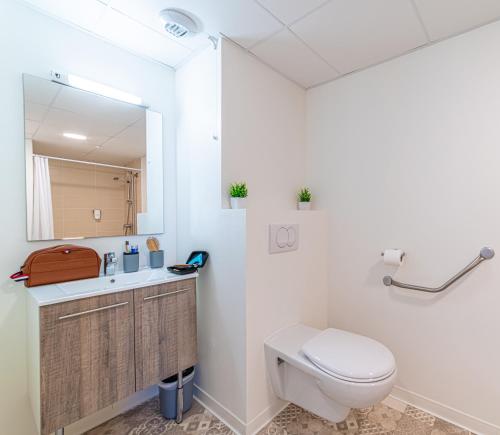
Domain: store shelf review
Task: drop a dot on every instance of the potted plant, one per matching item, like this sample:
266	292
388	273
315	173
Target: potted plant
304	199
238	193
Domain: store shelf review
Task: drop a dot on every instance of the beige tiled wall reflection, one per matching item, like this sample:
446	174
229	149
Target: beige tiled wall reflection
77	190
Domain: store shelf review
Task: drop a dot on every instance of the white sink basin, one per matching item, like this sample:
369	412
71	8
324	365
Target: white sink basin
118	281
68	291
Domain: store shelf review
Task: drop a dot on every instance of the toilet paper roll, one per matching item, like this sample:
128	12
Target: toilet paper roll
393	257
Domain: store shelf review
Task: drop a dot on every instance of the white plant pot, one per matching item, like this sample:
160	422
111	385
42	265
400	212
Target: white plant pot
304	205
237	203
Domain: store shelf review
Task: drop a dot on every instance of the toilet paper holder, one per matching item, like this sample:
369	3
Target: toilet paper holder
486	253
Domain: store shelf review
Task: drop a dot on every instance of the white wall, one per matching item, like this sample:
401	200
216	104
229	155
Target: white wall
204	225
35	44
282	290
263	122
263	143
406	154
242	299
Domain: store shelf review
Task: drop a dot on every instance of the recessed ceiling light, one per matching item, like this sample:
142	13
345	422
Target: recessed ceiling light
178	23
75	136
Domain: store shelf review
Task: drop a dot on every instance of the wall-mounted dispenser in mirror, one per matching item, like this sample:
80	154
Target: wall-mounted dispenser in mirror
94	164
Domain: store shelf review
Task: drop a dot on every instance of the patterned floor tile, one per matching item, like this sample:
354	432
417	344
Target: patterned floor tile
420	415
377	420
442	427
290	413
293	420
147	420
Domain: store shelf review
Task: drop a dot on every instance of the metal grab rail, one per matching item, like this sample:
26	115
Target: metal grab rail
485	254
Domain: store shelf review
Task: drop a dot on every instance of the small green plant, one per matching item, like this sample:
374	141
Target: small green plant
238	190
304	195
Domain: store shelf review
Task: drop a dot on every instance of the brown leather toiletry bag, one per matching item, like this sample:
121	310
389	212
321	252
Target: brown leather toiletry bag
60	263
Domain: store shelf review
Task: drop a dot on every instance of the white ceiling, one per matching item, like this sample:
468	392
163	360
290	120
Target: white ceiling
308	41
116	131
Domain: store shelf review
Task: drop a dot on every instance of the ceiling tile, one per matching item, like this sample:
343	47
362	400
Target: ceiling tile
83	13
133	36
147	14
244	21
352	34
30	128
287	54
129	146
46	135
113	156
444	18
289	11
55	144
61	121
35	112
96	107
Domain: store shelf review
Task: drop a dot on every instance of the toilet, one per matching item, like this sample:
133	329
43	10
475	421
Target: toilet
329	371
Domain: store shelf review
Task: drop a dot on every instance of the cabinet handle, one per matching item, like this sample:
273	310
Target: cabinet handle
166	294
95	310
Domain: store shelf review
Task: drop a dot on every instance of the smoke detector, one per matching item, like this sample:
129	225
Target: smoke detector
178	23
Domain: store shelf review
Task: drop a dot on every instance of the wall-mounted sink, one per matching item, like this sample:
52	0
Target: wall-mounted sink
65	291
140	278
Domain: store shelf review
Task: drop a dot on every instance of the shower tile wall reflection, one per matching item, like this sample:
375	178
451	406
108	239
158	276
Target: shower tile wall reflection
78	189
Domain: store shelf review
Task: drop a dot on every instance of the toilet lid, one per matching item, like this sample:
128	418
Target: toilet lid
349	356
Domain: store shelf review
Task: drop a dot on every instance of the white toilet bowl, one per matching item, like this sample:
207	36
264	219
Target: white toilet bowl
328	372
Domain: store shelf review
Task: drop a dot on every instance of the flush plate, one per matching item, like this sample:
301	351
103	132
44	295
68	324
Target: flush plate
283	238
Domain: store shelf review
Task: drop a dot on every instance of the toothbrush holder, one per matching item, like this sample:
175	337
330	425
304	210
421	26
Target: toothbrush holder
156	259
130	262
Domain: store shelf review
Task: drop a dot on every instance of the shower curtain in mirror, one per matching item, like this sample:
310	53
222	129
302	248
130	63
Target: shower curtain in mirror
42	225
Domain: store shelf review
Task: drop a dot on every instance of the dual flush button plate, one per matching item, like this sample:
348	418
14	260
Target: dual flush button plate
283	238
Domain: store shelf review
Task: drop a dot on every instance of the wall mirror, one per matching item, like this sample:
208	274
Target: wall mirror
94	165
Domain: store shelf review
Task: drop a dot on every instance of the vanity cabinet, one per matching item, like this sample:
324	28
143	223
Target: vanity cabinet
165	331
88	353
86	357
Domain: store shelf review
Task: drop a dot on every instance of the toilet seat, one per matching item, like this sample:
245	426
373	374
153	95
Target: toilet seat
349	357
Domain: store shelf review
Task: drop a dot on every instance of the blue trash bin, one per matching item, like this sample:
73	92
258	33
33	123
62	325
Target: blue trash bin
168	393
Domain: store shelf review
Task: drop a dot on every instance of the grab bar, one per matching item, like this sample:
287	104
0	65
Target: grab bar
485	254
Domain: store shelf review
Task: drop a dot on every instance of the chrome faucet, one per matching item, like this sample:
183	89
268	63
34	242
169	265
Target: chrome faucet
110	262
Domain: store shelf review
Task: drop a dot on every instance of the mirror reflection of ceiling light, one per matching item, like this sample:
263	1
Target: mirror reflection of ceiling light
75	136
99	88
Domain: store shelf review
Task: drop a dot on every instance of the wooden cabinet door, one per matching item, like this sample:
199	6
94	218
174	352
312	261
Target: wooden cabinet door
86	357
165	331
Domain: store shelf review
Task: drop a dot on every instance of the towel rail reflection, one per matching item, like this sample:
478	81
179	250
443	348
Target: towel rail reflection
485	254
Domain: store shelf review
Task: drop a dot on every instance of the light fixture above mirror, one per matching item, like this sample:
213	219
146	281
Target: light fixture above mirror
96	88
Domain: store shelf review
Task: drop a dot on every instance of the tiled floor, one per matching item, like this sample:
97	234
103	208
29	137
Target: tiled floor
147	420
378	420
